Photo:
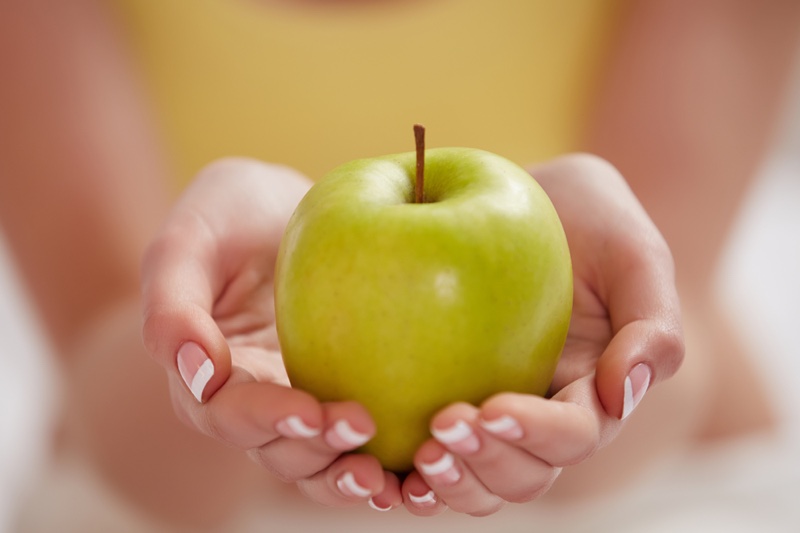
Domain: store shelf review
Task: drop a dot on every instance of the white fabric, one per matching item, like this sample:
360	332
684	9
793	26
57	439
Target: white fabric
27	394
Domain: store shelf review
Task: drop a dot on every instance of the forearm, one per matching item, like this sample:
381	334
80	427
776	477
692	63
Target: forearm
82	183
687	110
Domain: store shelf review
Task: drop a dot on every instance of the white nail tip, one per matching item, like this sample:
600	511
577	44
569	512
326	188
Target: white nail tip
631	398
627	401
377	507
499	425
201	379
300	428
349	435
456	433
441	466
428	497
348	485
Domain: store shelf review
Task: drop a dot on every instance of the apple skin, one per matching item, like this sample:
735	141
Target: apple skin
408	307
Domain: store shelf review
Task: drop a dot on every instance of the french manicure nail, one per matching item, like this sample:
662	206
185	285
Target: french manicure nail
426	500
636	385
377	507
505	427
459	437
342	436
293	427
350	487
195	368
444	469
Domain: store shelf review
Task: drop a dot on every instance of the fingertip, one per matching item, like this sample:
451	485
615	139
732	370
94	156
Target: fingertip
295	427
454	427
641	354
202	374
185	339
634	388
350	487
419	498
195	368
437	464
348	425
390	497
357	477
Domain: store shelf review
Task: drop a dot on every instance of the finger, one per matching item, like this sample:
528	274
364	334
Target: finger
503	465
233	213
179	286
625	262
391	497
347	426
351	479
647	345
452	481
419	498
559	432
247	414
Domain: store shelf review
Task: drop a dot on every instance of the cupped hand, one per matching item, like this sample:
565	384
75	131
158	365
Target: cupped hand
624	337
207	283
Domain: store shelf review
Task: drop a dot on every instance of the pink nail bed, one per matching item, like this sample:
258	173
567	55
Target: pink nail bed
195	368
504	426
444	470
378	507
636	385
459	437
294	427
348	485
425	500
343	436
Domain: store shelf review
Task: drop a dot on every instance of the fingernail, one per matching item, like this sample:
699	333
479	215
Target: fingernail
349	486
505	427
294	427
444	470
377	507
426	500
636	385
195	368
459	437
342	436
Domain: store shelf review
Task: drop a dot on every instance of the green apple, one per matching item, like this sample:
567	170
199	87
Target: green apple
407	307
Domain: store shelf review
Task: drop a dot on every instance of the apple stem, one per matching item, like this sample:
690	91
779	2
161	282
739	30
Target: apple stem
419	137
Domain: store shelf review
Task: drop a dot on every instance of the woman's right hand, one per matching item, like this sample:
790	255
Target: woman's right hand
209	320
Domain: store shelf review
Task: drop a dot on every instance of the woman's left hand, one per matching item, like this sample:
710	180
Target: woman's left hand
625	336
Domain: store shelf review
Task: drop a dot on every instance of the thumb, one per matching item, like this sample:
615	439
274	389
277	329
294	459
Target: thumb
647	346
642	353
179	285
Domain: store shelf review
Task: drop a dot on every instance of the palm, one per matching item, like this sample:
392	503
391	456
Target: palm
610	238
244	311
589	334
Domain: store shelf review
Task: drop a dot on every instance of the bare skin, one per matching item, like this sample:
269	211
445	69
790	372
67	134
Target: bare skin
80	197
687	120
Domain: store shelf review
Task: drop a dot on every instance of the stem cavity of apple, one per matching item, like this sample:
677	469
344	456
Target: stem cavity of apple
419	138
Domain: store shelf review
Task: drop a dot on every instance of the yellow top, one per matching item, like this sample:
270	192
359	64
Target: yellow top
316	87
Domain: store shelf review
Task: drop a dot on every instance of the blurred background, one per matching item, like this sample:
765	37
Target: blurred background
318	84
